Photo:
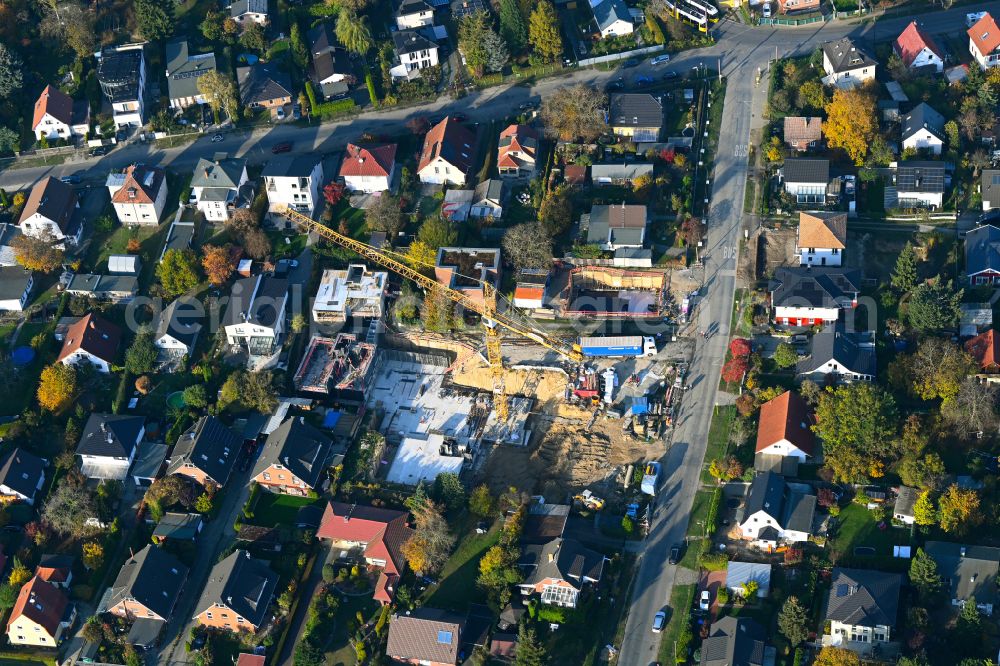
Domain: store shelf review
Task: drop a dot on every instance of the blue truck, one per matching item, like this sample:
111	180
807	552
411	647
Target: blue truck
625	345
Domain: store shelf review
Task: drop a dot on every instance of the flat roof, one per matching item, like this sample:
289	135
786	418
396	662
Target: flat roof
418	459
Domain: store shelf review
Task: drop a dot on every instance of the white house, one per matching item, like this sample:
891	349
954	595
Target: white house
906	499
839	355
22	475
923	129
178	327
220	187
50	210
613	18
449	149
821	239
369	168
139	194
785	427
414	52
812	296
917	49
488	199
293	181
984	41
806	179
775	513
255	317
57	116
862	608
413	14
109	444
122	75
846	64
355	292
92	340
15	287
919	184
246	12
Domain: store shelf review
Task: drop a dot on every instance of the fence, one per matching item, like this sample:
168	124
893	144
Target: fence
587	62
799	21
45	152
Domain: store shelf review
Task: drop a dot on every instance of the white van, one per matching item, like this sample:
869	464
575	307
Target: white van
766	10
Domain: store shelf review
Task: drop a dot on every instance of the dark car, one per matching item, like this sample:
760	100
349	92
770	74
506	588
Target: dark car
631	62
100	150
670	76
283	147
643	80
617	84
73	179
459	117
675	555
990	217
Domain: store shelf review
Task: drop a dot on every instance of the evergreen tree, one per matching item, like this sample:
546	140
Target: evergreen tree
543	31
924	574
793	622
512	25
530	651
904	277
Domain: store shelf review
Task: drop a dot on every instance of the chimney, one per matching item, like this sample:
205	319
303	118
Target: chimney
552	557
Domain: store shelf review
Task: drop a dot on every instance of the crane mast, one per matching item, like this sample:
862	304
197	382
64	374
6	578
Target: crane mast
493	320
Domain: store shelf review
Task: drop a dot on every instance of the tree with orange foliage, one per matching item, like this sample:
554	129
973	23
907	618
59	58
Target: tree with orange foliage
218	263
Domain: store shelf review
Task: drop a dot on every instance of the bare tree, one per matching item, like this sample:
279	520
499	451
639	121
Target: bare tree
974	408
573	113
528	246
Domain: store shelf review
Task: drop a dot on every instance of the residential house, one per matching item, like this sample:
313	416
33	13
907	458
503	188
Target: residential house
178	527
736	641
121	73
179	237
517	152
93	340
293	181
57	116
414	52
15	288
806	179
331	72
846	64
776	513
919	184
985	349
984	41
425	636
295	458
739	574
791	6
489	199
862	608
812	295
220	187
989	189
923	129
839	355
40	615
638	116
372	534
559	571
466	268
370	168
8	232
917	49
785	428
238	594
205	452
246	659
413	14
113	288
178	327
617	225
821	239
613	18
56	569
457	204
625	173
982	255
802	133
246	12
576	174
138	194
108	445
355	292
264	86
183	72
967	572
462	8
50	208
22	475
255	317
545	521
529	293
147	586
906	499
447	155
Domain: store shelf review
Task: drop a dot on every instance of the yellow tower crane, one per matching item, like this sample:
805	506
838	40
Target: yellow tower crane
493	320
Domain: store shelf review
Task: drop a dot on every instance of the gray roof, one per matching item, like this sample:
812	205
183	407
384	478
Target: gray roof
738	573
208	445
634	109
103	284
920	176
152	577
923	117
21	472
607	12
301	448
225	173
621	225
806	170
110	435
179	237
766	494
990	187
906	498
845	55
800	508
852	349
734	642
982	249
149	460
563	559
863	598
623	171
13	281
182	526
290	166
241	583
407	7
321	39
181	320
814	286
330	62
257	300
411	41
463	8
969	571
262	82
493	190
184	69
240	7
145	632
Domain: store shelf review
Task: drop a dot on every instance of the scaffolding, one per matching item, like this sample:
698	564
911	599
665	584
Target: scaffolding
342	362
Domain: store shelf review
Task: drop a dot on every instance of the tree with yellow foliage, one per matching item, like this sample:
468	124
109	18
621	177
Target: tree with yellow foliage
852	122
19	574
431	543
835	656
958	509
56	387
93	555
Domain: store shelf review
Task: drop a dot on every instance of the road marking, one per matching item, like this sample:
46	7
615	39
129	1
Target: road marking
741	150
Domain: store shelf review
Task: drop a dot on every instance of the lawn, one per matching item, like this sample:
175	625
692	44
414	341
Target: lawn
857	529
287	244
456	588
718	439
354	218
699	512
681	598
343	651
272	509
116	242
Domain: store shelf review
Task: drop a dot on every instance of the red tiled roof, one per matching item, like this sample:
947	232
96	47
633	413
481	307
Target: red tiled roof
452	141
94	335
52	574
534	293
985	34
518	135
576	173
54	102
251	659
142	184
385	588
985	348
43	603
912	41
785	417
384	531
373	160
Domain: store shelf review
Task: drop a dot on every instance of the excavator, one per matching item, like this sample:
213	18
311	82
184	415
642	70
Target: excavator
494	321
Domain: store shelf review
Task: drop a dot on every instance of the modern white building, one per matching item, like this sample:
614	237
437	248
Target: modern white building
806	179
255	317
919	184
57	116
846	64
862	608
121	71
413	14
812	296
356	292
293	181
220	187
109	444
923	129
414	52
138	194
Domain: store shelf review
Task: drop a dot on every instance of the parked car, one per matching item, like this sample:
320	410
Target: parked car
631	62
283	147
73	179
617	84
660	59
706	600
643	80
659	620
217	138
670	76
100	150
459	117
766	10
675	554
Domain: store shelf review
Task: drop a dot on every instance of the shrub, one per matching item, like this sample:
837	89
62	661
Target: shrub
714	561
371	88
334	108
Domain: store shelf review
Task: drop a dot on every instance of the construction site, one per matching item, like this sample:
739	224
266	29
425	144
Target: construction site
601	291
340	367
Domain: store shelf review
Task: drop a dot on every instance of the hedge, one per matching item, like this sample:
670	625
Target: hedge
655	31
335	108
371	88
